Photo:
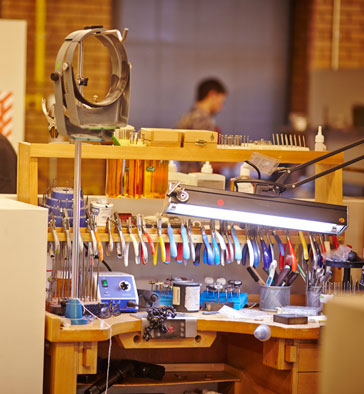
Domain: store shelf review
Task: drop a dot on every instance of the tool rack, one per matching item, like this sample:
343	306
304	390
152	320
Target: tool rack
290	357
328	189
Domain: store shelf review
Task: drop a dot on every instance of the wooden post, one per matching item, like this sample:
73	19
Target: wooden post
27	189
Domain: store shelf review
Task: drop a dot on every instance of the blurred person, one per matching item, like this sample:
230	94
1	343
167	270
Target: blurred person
8	166
210	97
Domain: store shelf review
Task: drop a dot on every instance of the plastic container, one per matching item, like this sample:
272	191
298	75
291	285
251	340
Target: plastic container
176	176
319	140
155	178
273	297
244	187
206	178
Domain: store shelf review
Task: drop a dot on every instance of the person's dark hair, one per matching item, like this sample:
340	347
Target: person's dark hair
207	85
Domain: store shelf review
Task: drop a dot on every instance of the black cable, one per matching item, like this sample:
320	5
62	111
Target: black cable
102	261
255	168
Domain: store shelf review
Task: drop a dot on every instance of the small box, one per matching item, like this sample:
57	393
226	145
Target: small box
162	137
290	319
199	138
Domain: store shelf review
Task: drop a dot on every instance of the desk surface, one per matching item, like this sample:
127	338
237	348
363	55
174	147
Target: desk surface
101	330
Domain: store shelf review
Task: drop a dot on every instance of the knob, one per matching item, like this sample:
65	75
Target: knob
124	285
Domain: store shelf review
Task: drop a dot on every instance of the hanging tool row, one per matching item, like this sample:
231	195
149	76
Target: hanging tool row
220	240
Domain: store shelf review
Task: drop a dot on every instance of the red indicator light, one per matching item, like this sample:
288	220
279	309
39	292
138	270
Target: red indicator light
220	203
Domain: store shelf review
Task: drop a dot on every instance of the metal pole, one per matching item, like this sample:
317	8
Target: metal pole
76	219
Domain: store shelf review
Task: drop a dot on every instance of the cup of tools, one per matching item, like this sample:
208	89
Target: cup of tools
313	296
273	297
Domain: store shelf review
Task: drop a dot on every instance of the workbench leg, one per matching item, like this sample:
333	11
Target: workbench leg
329	188
63	368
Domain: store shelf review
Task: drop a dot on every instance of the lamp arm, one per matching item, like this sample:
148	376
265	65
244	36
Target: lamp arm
323	173
281	180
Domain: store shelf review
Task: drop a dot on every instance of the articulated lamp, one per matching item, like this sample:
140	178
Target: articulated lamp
264	210
256	209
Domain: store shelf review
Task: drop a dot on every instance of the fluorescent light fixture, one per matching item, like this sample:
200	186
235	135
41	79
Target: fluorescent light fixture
255	209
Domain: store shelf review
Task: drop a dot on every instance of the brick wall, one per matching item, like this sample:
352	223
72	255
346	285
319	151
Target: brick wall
301	19
61	17
312	42
351	41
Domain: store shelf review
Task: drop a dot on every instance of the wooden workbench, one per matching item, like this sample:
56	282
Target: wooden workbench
287	363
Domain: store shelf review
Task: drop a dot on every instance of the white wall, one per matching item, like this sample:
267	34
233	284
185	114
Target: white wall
12	72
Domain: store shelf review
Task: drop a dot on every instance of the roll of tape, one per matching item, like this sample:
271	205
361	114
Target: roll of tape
62	193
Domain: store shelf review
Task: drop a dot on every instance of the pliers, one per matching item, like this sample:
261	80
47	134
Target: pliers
208	253
108	229
291	253
172	241
185	246
147	236
230	248
221	242
267	256
192	246
237	247
217	257
90	226
314	253
144	250
160	239
134	241
117	223
52	226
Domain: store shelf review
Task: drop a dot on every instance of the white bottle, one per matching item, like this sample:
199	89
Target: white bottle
206	178
319	140
175	176
245	187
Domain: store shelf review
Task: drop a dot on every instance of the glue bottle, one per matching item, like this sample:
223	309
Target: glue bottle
244	187
319	140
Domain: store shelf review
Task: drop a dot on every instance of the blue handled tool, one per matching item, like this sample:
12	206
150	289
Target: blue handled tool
222	243
317	247
271	247
208	250
186	247
279	243
267	257
237	247
196	261
272	271
214	243
256	252
172	242
249	249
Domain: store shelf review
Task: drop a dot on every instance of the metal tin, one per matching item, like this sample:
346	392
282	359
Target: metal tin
101	209
273	297
186	296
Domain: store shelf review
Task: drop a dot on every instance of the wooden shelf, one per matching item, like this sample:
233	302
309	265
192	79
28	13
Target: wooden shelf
327	189
92	151
182	374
